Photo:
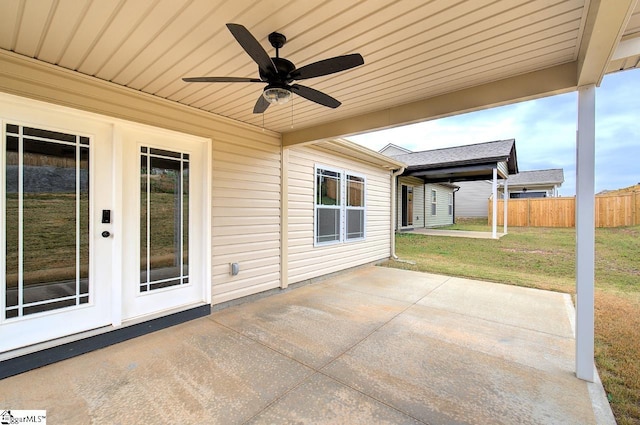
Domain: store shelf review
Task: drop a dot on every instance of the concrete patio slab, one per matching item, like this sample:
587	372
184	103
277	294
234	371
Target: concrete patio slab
322	400
373	345
442	383
311	324
389	283
513	305
540	350
199	372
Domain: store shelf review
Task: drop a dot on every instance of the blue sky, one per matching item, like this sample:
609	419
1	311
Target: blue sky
545	132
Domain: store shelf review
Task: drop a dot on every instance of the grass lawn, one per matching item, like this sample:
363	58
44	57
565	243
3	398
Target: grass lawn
544	258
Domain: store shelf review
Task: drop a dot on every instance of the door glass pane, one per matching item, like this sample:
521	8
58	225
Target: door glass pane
185	219
164	224
11	225
144	207
407	205
83	193
47	220
410	206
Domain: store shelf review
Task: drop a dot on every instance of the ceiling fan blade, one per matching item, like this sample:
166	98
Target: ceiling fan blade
253	48
261	105
315	96
221	80
328	66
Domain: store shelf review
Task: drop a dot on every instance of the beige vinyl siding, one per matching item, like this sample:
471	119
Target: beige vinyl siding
245	215
246	166
503	170
442	217
306	261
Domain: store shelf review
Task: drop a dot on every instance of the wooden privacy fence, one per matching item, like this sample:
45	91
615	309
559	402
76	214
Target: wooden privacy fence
611	211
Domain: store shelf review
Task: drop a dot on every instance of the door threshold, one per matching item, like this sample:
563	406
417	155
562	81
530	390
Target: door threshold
44	354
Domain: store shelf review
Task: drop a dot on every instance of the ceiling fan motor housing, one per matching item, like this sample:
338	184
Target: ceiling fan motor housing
277	40
284	68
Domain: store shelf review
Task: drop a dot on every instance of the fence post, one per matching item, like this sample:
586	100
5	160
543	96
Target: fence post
634	208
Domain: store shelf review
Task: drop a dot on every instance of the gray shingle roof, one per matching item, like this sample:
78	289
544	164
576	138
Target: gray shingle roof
499	150
537	177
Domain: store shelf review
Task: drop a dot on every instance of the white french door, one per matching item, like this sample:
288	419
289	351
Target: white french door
164	199
102	222
56	266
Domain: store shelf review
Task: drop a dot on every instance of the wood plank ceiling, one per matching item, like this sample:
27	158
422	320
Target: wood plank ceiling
413	49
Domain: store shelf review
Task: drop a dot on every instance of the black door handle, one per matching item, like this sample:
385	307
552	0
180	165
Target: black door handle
106	234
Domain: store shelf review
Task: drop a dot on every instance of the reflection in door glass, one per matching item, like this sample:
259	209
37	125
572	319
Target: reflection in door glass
164	218
46	213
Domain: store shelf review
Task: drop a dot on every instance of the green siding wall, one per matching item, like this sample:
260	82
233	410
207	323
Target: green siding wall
442	217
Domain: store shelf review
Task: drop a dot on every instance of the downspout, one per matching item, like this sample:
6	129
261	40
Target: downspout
394	210
455	189
284	217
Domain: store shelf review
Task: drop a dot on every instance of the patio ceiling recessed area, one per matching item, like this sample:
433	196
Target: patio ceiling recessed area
423	60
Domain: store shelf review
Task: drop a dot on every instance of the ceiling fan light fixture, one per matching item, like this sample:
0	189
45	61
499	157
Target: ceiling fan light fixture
277	95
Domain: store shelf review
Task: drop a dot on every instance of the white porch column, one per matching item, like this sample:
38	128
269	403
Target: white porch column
504	205
494	193
585	232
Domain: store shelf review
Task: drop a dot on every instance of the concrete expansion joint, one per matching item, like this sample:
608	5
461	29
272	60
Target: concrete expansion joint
346	384
282	395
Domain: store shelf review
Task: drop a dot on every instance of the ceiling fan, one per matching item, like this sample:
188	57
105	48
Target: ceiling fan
279	73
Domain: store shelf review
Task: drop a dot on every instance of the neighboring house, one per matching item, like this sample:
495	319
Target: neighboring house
423	205
633	188
393	150
472	198
534	184
427	188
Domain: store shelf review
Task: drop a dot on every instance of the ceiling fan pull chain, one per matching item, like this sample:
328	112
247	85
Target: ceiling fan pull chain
263	121
292	96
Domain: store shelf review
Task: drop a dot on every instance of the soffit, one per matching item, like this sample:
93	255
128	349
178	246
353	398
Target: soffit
413	50
349	149
629	56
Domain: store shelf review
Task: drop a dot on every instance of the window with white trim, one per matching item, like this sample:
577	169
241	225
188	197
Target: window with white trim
355	207
434	202
340	211
450	203
328	206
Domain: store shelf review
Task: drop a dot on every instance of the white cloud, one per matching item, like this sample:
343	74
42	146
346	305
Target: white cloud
545	132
